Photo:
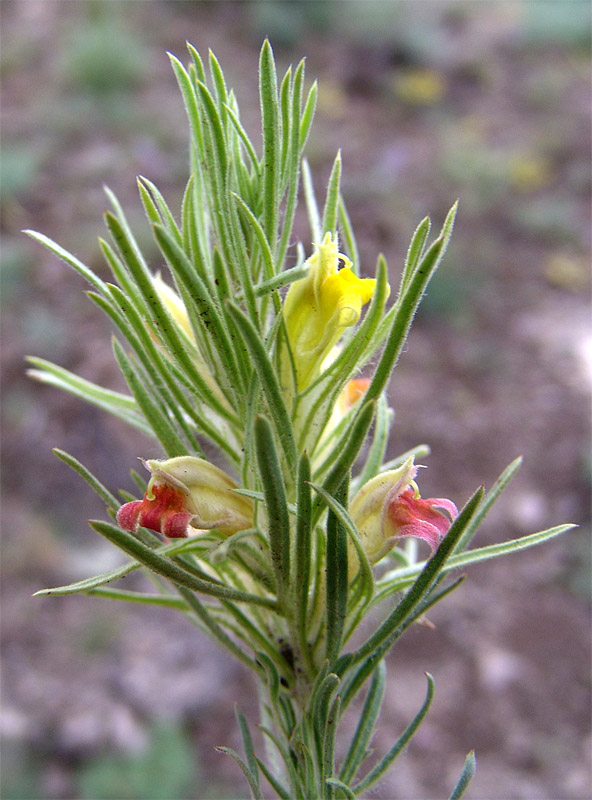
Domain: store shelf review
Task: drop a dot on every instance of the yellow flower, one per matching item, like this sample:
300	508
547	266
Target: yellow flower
319	307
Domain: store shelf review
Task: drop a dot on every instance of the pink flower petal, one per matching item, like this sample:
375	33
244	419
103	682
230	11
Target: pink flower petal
408	515
166	512
422	530
127	516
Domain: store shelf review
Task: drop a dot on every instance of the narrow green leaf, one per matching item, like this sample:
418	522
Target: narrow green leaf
89	390
351	247
414	252
275	503
198	67
251	779
167	601
270	113
105	495
307	750
358	749
122	233
218	80
279	281
336	576
195	224
269	383
328	764
321	701
268	264
489	499
365	576
318	684
403	319
285	127
119	270
86	585
209	315
86	272
95	581
120	405
400	578
377	449
278	788
448	225
273	677
189	98
163	566
177	383
404	310
504	548
244	255
295	778
331	210
156	208
378	771
303	557
293	166
244	138
248	745
308	114
157	418
466	775
213	129
166	329
314	219
150	207
337	784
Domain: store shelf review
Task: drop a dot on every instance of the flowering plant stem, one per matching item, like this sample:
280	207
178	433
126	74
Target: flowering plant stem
249	348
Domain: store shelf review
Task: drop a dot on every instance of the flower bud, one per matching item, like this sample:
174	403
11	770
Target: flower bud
389	507
353	391
187	491
174	305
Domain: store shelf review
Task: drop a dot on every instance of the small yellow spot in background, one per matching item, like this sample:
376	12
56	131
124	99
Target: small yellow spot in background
529	173
419	86
332	101
567	271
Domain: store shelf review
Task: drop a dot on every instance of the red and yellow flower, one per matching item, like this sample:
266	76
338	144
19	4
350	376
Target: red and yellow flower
389	507
187	492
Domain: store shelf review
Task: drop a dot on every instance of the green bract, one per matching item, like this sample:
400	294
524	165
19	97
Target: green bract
230	350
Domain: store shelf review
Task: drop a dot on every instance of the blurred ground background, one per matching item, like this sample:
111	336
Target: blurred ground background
429	101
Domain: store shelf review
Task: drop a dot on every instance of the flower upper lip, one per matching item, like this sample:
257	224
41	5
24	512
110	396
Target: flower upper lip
318	307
